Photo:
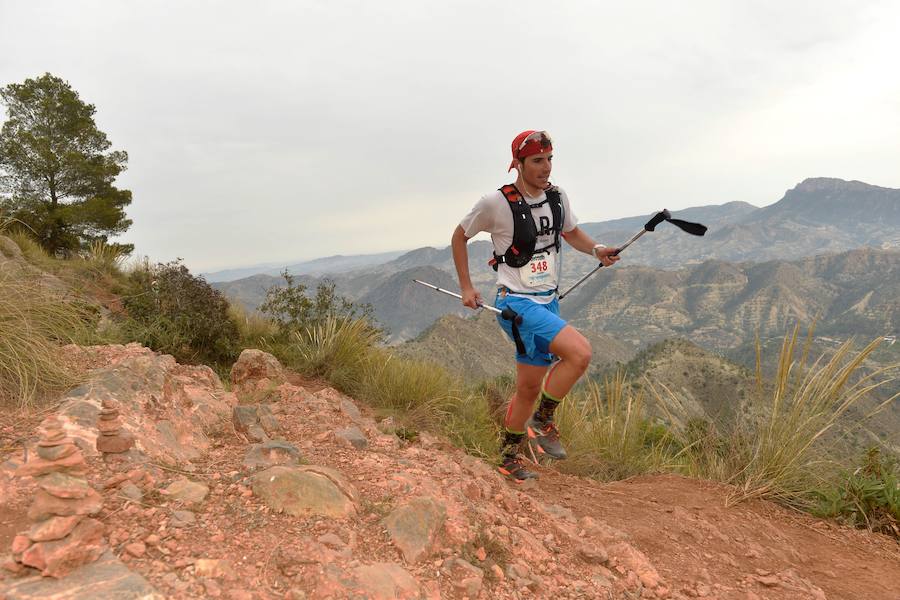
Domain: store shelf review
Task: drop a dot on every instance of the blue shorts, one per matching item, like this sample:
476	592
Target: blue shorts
540	324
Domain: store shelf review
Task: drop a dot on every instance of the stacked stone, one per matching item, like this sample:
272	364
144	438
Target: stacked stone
112	439
62	536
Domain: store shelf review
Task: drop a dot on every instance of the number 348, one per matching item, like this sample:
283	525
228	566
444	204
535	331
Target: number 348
539	267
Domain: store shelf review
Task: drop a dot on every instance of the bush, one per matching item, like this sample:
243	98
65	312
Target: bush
103	258
175	312
294	311
254	329
419	390
868	497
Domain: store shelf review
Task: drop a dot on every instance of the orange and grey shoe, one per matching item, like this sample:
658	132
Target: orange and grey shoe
544	439
513	467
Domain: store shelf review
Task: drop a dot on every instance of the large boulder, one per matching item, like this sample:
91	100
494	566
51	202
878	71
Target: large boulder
305	490
256	374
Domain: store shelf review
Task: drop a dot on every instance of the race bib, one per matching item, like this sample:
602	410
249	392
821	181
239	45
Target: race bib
540	270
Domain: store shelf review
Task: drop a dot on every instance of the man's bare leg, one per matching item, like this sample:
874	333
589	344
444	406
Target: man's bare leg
528	386
521	404
574	352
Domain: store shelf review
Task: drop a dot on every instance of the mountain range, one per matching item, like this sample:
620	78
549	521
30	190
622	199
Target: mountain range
826	254
744	273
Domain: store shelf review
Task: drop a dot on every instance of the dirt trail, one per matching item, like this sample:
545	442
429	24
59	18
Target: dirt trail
563	537
699	544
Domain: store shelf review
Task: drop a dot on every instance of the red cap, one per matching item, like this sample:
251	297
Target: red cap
540	145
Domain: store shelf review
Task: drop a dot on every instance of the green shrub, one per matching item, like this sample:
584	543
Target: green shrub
419	390
175	312
867	497
103	258
253	328
294	311
470	423
787	452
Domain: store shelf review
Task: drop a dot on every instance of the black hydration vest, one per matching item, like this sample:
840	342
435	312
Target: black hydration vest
525	232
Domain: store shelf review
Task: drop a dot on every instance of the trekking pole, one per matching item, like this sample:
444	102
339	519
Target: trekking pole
663	215
507	313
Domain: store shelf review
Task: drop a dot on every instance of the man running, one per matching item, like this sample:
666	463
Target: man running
526	221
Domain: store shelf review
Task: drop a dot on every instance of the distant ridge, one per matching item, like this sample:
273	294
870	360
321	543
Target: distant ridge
318	266
835	202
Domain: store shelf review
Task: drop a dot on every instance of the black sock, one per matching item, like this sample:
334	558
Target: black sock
544	413
511	441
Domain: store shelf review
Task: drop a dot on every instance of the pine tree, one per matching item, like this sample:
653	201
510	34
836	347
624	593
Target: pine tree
56	169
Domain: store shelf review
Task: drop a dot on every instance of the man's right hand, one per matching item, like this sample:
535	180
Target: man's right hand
471	298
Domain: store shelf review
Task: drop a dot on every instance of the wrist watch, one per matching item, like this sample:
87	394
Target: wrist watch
595	248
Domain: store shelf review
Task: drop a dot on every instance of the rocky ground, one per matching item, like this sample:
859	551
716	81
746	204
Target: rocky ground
282	488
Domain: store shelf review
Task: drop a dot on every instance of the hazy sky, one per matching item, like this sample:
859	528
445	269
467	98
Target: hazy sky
276	131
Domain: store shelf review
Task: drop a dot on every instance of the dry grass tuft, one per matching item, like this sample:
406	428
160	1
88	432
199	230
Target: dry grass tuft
34	321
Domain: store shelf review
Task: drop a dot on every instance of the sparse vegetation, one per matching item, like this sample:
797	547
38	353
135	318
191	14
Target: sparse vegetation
336	349
344	351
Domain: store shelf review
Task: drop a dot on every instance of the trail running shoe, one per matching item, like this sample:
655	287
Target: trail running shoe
515	470
544	438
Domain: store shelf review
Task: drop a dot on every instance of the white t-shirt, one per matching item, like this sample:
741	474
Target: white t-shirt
493	215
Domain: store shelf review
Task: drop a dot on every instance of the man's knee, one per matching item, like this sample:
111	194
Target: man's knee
581	357
576	352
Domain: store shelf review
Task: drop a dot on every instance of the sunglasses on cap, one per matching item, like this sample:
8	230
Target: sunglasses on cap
541	137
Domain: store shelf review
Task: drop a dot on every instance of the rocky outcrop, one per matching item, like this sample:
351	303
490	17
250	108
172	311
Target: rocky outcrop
169	409
255	375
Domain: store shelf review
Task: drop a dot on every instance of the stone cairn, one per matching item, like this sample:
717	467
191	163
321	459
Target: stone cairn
112	439
62	536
